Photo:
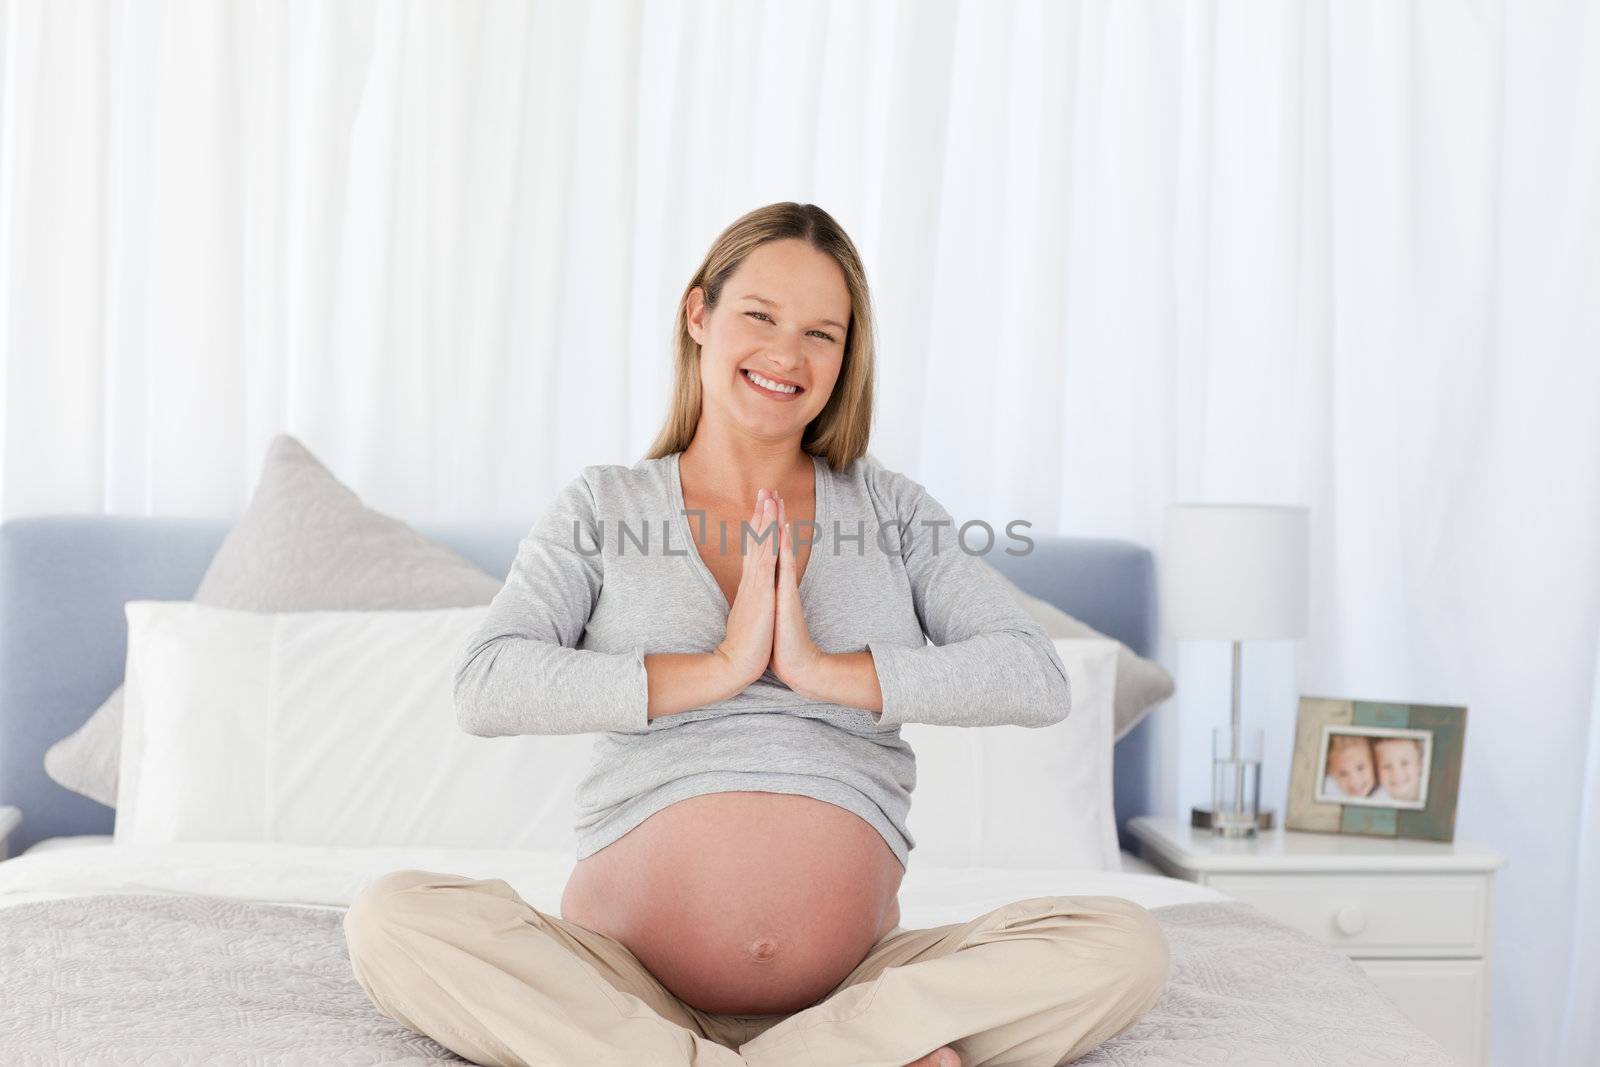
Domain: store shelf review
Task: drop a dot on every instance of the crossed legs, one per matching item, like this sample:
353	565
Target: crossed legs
468	962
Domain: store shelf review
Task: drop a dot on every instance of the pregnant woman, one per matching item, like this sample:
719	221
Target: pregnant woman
743	617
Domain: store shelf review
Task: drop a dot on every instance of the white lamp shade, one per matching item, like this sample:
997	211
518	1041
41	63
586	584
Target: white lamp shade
1235	572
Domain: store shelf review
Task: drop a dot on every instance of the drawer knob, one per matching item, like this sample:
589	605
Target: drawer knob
1350	921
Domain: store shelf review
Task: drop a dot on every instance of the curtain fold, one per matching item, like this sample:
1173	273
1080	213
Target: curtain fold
1338	254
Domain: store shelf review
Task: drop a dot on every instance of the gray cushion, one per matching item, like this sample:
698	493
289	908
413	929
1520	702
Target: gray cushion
305	543
1141	683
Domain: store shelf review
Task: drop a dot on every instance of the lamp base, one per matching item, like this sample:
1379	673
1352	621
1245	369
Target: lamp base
1200	818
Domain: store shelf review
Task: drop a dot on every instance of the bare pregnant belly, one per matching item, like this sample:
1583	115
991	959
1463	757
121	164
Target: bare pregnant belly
743	903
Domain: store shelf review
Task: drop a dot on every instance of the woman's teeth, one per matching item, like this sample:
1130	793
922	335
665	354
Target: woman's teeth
768	383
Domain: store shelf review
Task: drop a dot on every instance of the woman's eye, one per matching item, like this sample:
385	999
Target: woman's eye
819	333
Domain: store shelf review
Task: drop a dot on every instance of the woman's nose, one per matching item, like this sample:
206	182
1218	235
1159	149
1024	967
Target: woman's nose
787	352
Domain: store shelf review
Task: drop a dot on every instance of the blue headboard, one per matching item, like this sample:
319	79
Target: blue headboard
63	635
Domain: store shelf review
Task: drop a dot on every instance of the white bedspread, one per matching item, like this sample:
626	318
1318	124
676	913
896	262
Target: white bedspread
126	954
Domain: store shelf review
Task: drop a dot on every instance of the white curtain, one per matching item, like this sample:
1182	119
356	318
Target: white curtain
1345	254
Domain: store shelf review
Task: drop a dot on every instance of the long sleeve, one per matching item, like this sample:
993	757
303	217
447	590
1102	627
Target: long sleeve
990	663
522	672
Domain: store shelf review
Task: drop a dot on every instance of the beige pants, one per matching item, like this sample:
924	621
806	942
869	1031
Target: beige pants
472	965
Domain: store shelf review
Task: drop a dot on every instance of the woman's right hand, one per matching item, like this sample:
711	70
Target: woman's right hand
747	646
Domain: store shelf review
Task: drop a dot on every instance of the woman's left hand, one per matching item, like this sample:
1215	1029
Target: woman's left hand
794	656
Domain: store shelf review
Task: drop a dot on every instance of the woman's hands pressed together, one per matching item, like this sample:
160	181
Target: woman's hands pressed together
767	623
747	645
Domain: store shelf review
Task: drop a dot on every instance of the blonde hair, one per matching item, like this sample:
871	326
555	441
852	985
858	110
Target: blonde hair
841	429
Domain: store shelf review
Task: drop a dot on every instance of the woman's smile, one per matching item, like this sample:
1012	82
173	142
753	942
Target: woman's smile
771	388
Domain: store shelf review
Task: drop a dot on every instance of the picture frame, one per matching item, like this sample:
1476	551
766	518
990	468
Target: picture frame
1376	768
1377	737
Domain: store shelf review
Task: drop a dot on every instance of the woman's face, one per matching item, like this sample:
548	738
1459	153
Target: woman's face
782	317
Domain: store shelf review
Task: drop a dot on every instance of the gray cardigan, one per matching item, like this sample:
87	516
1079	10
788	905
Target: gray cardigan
610	572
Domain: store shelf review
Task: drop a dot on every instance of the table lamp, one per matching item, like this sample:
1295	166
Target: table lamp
1235	572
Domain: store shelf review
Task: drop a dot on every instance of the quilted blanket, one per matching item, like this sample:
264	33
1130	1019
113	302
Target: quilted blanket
188	979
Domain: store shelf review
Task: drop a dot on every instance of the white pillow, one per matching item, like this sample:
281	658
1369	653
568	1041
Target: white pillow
1019	796
325	728
339	728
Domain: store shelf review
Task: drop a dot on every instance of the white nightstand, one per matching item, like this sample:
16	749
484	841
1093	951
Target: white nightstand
1415	915
10	819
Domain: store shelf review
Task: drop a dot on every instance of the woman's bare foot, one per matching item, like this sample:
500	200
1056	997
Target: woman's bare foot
939	1057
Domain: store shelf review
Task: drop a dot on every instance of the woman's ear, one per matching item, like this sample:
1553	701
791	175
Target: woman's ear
694	313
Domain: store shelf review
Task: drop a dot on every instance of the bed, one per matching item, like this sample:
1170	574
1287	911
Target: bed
232	951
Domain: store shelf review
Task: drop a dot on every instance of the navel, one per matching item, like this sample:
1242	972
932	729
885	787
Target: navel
763	949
